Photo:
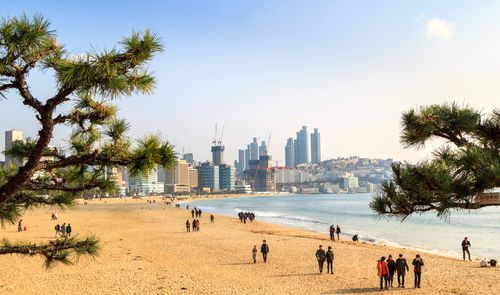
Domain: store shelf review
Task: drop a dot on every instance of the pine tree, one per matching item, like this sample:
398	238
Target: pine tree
91	83
467	164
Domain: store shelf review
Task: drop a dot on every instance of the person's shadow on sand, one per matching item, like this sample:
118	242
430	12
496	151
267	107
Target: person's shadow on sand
361	290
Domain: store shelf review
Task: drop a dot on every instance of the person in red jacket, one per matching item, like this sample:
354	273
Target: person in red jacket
383	272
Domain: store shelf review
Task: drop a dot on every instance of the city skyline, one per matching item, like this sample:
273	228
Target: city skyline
262	68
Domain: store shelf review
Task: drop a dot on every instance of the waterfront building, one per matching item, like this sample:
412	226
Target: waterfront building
290	153
226	177
208	176
11	137
218	155
243	189
147	184
350	182
261	175
303	149
315	147
241	162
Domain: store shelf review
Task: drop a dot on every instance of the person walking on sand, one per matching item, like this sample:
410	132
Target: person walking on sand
401	268
63	229
197	225
254	254
188	226
355	238
382	272
465	247
320	256
338	232
329	260
212	218
68	230
264	249
194	224
332	233
192	213
20	226
391	265
58	229
418	263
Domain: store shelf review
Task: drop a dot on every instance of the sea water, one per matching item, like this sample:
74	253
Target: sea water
426	232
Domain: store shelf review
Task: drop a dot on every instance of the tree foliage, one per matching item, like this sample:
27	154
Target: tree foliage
91	83
465	166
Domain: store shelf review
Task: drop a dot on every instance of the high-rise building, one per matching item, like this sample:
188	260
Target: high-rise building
290	153
188	158
315	146
241	162
254	149
263	149
218	155
261	175
208	176
226	177
12	136
247	157
303	147
147	184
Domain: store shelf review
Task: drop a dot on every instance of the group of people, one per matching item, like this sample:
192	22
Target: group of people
243	216
63	230
387	268
196	212
195	224
335	230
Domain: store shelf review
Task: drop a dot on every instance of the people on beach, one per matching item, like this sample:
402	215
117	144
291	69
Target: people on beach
199	212
321	256
212	218
197	225
254	254
391	265
55	215
20	226
194	224
355	238
418	263
401	268
338	232
192	213
243	216
68	230
329	260
58	229
264	249
382	272
332	232
465	247
188	225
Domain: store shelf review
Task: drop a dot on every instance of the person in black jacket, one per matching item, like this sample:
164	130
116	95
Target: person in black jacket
188	226
68	230
338	232
391	264
192	213
264	249
321	256
418	263
329	260
401	268
465	247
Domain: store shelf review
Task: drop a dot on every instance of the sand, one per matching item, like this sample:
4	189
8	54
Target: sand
146	250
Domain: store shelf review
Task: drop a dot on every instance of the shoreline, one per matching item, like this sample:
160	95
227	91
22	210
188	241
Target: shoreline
370	240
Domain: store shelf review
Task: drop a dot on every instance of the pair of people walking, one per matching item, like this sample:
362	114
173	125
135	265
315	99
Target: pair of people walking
321	256
386	270
335	230
264	249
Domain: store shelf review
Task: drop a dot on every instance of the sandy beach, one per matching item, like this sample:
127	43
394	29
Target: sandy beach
146	250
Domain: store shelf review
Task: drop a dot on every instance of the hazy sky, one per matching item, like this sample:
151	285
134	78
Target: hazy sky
348	68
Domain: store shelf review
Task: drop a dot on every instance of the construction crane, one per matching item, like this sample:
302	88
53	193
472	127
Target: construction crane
221	134
214	141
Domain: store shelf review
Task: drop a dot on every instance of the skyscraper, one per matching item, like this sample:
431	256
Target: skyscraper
218	155
315	147
254	149
241	162
12	136
290	153
303	146
262	149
